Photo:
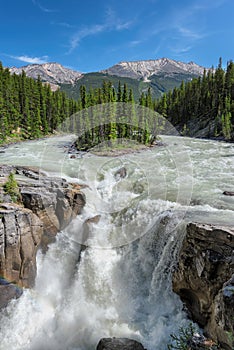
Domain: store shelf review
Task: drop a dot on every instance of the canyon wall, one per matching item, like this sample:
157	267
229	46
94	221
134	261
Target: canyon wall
204	279
46	206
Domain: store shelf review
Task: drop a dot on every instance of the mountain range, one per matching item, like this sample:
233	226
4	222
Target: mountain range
160	75
146	69
53	73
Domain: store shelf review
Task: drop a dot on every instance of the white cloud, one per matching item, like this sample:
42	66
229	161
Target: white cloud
181	50
189	33
135	43
31	60
111	23
63	24
43	8
123	25
209	4
187	26
83	33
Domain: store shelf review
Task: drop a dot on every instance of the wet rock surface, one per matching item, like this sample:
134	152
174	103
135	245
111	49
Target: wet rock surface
228	193
8	291
204	279
119	344
121	173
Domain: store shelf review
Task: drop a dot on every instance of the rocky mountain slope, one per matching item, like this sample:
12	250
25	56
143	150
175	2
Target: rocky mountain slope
52	73
145	69
160	75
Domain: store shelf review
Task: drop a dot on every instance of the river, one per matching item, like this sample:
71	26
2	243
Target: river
120	284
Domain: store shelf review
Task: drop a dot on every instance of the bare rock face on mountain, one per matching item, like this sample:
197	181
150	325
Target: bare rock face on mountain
47	206
204	279
52	73
145	69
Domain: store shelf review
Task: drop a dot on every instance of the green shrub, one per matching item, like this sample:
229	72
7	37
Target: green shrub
12	189
189	338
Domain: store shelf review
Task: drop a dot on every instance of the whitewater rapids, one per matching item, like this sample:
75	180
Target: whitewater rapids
120	284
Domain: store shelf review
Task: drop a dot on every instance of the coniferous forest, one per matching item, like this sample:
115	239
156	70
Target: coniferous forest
106	114
203	107
28	108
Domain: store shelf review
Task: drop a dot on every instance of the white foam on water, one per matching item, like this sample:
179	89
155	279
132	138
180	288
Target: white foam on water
120	284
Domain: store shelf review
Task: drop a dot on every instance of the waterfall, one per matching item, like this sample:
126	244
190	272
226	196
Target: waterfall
113	277
115	286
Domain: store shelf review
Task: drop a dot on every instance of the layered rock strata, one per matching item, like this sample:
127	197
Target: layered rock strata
204	279
47	206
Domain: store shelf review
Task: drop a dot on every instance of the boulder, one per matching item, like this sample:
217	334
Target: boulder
228	193
94	220
205	265
119	344
88	229
121	173
8	291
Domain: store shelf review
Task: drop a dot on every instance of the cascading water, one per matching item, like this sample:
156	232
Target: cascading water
120	284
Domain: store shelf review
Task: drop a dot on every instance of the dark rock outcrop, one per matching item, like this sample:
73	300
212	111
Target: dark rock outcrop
119	344
204	281
94	220
228	193
8	291
47	206
121	173
222	315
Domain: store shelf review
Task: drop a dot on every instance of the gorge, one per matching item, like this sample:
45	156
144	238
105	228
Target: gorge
113	277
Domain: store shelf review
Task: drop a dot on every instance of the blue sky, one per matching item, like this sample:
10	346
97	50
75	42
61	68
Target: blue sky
90	35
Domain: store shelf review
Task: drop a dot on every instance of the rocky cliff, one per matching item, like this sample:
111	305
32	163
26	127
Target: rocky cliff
204	279
47	206
145	69
52	73
20	235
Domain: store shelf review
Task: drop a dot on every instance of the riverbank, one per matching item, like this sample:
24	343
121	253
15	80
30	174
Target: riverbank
17	141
